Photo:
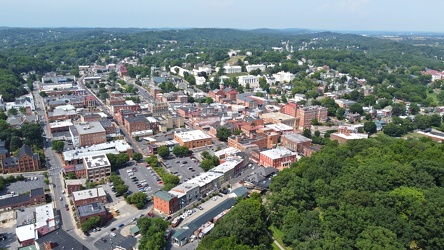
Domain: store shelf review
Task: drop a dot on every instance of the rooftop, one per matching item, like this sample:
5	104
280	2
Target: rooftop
164	195
26	232
205	178
295	137
44	216
61	240
226	151
276	115
279	127
277	153
229	164
91	209
88	193
66	123
96	161
89	128
192	135
75	182
112	147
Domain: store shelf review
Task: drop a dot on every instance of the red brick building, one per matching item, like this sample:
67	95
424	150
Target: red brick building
165	202
295	142
74	185
88	196
290	109
25	161
117	108
136	123
94	209
89	101
278	158
36	196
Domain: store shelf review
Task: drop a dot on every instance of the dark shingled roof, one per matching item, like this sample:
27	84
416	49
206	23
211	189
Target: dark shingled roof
60	239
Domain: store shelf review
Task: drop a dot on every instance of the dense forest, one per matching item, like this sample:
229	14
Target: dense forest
379	193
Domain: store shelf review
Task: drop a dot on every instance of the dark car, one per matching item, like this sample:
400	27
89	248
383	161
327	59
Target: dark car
121	225
86	233
112	229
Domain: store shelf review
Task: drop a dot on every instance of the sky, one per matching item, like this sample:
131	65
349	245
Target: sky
333	15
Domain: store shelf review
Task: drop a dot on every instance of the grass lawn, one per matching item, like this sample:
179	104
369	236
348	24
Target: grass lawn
233	60
275	247
278	235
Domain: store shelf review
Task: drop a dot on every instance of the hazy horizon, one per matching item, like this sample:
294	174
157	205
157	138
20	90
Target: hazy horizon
318	15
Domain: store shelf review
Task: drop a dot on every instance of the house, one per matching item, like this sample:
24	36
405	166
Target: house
87	211
74	185
25	161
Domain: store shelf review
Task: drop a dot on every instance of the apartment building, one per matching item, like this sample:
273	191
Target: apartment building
136	123
295	142
158	109
87	134
97	167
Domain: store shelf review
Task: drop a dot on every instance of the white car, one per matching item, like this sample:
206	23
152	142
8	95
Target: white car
113	234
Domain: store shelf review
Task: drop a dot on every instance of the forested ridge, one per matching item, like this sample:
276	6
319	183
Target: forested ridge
380	193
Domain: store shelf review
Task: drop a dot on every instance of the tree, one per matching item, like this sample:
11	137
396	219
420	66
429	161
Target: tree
284	99
191	99
398	109
163	151
375	237
12	112
118	160
394	130
15	143
370	127
58	146
43	94
306	132
120	189
32	132
414	109
152	160
152	231
137	156
181	150
205	154
237	132
340	113
208	100
207	164
3	116
356	108
138	199
223	133
90	223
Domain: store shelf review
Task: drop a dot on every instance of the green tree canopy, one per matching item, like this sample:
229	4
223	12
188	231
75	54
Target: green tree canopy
137	156
58	146
223	133
163	151
90	223
138	199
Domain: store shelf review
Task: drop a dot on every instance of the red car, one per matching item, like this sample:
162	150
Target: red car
150	214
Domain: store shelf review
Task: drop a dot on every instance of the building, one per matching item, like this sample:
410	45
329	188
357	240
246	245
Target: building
193	139
88	196
284	77
231	167
36	196
186	193
252	81
97	167
183	235
158	109
136	123
75	156
89	101
346	133
58	239
278	158
295	142
306	115
87	134
207	182
232	69
165	203
74	185
94	209
276	117
45	221
25	161
252	67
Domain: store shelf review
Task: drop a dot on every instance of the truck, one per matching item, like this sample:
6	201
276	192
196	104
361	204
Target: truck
176	221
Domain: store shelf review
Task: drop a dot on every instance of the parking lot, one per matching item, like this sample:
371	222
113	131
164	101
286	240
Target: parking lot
21	187
111	239
142	173
185	168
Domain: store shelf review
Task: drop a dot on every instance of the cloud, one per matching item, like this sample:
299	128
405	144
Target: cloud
346	6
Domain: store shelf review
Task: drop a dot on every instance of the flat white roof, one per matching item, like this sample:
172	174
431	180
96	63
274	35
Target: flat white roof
277	153
89	128
229	165
192	135
204	178
112	147
66	123
226	151
276	115
279	127
26	232
44	216
75	182
352	136
96	161
88	193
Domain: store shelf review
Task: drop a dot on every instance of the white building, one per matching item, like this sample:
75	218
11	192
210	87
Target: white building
253	81
200	80
207	70
180	71
232	69
255	67
284	76
186	192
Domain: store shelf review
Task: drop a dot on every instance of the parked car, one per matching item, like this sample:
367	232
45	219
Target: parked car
112	229
121	225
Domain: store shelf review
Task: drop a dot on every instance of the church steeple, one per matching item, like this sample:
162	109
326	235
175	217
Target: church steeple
221	84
